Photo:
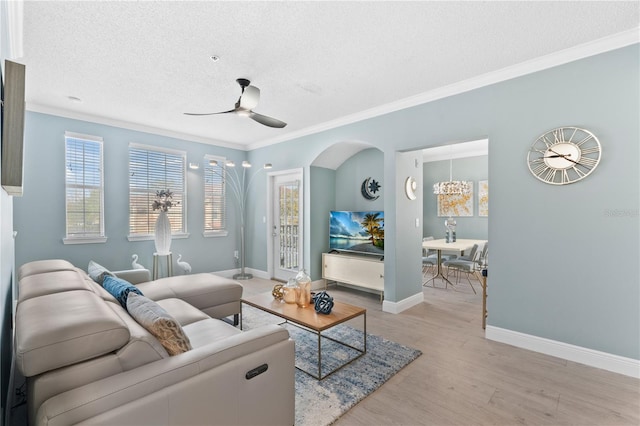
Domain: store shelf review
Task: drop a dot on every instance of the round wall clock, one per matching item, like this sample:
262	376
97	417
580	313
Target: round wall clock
564	155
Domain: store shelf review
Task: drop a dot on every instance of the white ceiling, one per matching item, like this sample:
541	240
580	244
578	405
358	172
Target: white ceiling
143	64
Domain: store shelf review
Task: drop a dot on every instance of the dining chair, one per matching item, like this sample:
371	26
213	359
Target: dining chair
468	264
434	253
428	266
429	260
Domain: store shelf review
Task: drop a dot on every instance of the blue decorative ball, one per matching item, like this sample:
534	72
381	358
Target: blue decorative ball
323	302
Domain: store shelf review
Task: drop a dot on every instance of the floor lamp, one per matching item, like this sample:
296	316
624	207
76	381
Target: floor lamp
240	191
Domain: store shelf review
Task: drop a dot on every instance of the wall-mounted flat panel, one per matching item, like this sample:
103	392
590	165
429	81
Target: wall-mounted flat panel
13	127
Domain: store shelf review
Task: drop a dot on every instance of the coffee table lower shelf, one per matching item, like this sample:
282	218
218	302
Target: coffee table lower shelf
307	319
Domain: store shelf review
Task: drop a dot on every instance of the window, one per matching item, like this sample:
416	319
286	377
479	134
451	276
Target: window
152	169
215	207
84	190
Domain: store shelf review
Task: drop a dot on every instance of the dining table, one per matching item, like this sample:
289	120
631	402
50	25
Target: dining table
459	246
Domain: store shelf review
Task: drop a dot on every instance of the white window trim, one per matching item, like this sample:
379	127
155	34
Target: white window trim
150	237
84	239
174	236
217	232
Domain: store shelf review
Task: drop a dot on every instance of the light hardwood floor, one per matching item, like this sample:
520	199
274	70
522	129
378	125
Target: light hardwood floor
464	379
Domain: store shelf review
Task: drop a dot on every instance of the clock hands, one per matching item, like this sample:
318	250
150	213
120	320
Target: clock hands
565	156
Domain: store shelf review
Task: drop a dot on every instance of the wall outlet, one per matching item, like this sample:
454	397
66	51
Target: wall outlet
235	254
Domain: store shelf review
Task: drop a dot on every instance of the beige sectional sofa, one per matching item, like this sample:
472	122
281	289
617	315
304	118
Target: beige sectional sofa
88	361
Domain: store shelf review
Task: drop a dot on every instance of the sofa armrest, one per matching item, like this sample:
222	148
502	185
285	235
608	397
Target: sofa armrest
207	385
134	276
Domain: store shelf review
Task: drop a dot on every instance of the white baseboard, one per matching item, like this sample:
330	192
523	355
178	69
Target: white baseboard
402	305
606	361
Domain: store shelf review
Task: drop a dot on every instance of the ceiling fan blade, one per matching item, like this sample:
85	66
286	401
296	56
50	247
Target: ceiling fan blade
209	113
249	98
267	121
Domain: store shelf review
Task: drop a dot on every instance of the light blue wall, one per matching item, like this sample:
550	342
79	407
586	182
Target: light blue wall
403	259
351	174
543	278
322	201
542	238
40	213
470	169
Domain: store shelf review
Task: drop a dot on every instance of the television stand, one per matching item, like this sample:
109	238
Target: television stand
361	271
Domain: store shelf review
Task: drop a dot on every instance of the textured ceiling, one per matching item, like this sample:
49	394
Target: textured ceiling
145	63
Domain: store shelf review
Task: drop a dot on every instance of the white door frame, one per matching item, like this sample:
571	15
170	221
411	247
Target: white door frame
270	180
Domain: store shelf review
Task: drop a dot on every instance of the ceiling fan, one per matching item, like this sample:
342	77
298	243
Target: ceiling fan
244	107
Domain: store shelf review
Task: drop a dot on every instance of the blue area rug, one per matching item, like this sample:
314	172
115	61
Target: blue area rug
320	403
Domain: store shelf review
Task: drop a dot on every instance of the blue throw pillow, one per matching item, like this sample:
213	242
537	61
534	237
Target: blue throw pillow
120	289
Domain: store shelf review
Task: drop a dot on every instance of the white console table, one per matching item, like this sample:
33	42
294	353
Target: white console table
359	271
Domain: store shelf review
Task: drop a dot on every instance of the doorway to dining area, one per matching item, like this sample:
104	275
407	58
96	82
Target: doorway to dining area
466	162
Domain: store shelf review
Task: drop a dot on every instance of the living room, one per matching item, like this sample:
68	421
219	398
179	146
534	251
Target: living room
546	294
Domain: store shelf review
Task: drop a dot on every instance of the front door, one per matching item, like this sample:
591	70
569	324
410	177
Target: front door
286	225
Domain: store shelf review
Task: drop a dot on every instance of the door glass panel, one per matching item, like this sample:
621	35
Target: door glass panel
288	199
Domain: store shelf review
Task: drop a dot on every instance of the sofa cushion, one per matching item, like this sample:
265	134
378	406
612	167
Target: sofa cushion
97	272
204	291
205	332
120	289
52	282
61	329
159	323
183	312
42	266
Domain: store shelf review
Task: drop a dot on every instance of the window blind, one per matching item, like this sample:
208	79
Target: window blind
214	196
152	170
84	191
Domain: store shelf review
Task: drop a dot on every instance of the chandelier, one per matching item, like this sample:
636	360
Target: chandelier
452	187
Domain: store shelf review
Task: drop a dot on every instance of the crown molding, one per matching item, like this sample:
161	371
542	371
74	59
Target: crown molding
613	42
129	125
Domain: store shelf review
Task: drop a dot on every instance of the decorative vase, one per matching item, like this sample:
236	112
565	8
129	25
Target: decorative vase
303	281
450	224
162	236
290	291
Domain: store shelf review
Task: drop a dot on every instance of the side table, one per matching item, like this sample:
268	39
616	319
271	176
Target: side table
169	259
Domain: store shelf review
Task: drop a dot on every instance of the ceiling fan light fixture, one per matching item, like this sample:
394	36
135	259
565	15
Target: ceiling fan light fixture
244	106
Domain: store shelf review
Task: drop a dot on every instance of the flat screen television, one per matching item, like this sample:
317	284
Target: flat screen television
13	111
357	232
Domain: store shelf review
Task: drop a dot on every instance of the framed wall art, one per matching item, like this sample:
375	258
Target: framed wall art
483	198
455	205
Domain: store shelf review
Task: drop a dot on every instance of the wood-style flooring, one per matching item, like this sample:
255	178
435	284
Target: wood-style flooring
464	379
